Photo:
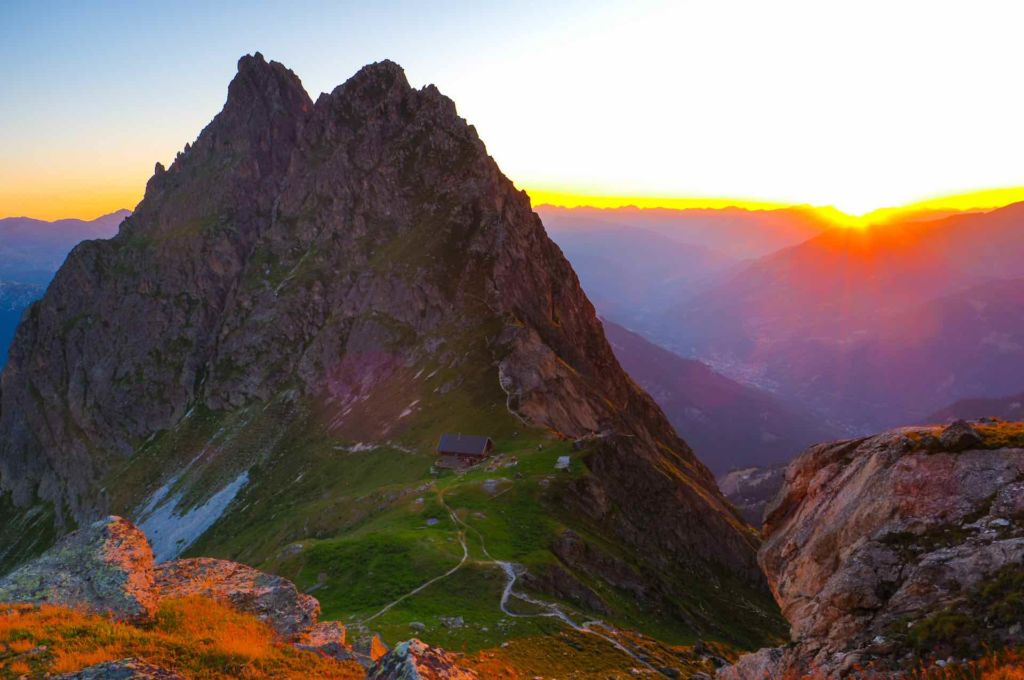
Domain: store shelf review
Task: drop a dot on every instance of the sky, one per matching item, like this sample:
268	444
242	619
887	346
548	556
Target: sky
857	105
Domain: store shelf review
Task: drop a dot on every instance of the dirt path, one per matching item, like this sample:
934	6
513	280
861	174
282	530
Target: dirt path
427	584
549	609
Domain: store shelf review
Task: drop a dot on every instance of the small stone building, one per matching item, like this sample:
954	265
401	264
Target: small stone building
459	451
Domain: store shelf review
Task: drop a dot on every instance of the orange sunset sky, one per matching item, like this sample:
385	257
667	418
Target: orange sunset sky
858	106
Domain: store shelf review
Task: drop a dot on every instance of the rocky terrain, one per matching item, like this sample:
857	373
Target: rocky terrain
108	568
897	549
752	489
258	366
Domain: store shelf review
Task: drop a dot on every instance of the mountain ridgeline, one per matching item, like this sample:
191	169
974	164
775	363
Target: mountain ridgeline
266	353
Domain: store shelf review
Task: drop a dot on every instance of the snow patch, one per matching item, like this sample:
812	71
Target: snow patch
409	409
358	447
171	532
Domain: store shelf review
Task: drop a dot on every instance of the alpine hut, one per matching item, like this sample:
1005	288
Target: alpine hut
462	450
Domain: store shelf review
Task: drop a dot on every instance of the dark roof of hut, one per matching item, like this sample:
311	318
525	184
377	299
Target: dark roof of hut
465	444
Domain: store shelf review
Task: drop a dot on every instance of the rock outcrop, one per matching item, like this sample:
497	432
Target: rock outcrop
106	567
332	254
889	550
123	669
328	638
269	598
415	660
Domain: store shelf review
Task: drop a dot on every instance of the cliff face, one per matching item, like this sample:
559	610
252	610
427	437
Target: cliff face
119	345
360	260
895	548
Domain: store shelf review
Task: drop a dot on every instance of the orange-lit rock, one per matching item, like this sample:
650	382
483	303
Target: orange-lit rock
107	567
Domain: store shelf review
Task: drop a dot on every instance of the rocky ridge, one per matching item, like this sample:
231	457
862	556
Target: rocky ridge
362	261
897	548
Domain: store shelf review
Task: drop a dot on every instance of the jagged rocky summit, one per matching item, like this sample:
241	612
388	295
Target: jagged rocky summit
895	550
347	271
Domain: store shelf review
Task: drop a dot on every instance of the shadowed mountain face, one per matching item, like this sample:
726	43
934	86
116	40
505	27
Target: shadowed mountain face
872	327
267	352
31	251
728	424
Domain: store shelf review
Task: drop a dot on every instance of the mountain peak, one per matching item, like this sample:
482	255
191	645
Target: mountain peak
372	85
362	271
384	70
254	60
273	82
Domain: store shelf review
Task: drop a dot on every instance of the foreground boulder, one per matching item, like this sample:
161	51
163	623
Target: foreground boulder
123	669
886	551
272	599
107	567
416	660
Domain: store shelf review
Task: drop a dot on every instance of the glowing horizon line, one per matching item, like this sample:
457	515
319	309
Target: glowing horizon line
968	201
963	202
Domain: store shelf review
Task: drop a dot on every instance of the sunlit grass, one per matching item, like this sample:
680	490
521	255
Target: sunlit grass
194	636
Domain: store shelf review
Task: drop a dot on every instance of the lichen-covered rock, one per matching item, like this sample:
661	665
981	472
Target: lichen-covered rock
123	669
327	638
415	660
270	598
106	567
873	541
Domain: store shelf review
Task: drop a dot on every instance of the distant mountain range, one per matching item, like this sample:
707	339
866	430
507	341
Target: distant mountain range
728	424
738	233
636	263
869	328
31	251
1007	408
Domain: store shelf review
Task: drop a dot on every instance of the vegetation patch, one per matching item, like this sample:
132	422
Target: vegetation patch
999	434
977	623
195	637
24	532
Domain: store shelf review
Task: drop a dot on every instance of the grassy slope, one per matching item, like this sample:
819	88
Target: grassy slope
23	532
350	524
